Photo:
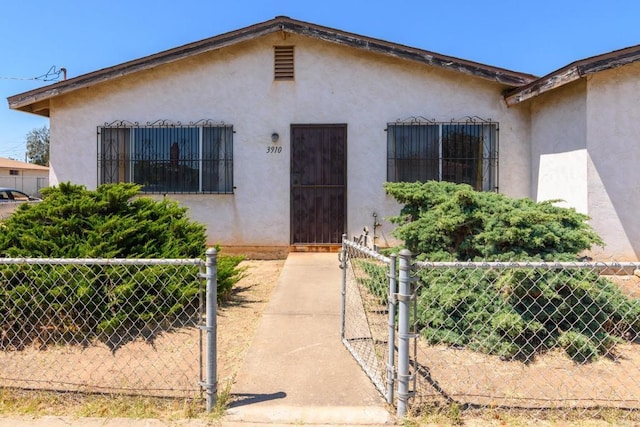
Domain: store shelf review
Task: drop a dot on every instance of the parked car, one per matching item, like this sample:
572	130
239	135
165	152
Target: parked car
13	195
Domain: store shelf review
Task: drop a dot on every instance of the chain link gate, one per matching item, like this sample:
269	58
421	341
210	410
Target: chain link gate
368	314
532	337
127	326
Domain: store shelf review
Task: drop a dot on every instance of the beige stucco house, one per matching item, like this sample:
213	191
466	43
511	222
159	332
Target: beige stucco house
26	177
280	135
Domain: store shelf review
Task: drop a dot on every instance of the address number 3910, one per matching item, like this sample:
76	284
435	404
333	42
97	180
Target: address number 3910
274	150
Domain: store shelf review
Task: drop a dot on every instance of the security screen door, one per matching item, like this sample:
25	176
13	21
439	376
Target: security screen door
318	183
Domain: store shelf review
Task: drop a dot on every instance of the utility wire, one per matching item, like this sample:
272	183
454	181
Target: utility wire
52	75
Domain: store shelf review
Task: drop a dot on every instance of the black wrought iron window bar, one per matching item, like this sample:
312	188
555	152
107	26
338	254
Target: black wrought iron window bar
460	151
167	157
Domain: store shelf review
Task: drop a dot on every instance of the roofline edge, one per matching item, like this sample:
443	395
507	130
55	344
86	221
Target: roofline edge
280	23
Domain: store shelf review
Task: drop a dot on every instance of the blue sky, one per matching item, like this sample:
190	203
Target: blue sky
83	36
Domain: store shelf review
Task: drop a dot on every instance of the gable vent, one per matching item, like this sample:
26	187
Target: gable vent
283	63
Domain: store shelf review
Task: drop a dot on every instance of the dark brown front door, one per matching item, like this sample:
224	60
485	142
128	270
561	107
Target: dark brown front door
318	183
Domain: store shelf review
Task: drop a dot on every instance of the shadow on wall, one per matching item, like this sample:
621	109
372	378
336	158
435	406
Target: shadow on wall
615	208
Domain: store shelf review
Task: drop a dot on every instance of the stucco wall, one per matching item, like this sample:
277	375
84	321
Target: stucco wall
333	84
585	151
559	147
613	135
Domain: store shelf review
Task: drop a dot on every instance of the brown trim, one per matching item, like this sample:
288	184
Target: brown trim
573	72
315	248
25	101
500	75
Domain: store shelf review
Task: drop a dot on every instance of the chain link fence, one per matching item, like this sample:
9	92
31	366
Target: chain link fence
106	326
532	337
28	184
367	310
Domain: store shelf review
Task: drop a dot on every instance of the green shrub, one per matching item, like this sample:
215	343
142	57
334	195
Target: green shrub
76	301
513	313
228	275
374	277
518	313
110	222
578	346
446	221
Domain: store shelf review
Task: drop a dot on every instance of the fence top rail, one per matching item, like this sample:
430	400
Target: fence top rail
367	251
529	264
103	261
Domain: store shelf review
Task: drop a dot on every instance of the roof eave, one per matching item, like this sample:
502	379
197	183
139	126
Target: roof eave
573	72
24	100
36	101
496	74
542	85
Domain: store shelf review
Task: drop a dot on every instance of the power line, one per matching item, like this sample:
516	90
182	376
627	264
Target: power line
52	75
12	146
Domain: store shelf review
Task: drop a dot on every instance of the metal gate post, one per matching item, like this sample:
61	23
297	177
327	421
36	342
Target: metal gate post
211	327
393	289
404	300
343	266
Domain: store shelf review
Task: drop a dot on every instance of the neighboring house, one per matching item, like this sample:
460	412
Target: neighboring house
26	177
280	135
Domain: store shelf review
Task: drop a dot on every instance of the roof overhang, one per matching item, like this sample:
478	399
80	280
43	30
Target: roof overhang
37	101
15	164
572	72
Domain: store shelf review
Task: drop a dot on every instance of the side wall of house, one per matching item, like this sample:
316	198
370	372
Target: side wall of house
613	135
585	151
333	84
559	147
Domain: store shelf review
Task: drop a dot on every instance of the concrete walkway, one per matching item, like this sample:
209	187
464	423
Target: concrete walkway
297	371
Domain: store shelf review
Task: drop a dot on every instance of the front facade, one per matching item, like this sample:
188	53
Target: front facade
281	135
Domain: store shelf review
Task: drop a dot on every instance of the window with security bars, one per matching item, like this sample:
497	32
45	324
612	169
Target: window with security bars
167	158
460	152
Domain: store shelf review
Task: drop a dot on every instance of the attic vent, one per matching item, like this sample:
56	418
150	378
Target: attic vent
283	63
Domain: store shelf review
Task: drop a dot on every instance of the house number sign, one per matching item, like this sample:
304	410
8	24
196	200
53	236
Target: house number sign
274	150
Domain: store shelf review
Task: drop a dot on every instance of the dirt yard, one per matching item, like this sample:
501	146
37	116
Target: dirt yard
239	317
476	378
459	373
167	365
